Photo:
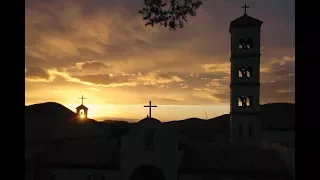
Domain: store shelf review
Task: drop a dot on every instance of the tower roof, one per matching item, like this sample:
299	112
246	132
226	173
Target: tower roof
245	21
82	107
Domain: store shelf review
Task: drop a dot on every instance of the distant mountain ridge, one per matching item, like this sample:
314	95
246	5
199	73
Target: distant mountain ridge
53	120
274	116
109	119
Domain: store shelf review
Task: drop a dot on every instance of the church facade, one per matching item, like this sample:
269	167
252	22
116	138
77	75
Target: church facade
151	151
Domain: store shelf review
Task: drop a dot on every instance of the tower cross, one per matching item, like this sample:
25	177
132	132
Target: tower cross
245	8
150	106
82	98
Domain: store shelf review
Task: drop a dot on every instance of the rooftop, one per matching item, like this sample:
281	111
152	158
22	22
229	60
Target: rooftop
149	120
245	21
82	107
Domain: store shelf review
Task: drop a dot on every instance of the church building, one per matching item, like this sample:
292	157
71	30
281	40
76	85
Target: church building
245	80
151	151
82	110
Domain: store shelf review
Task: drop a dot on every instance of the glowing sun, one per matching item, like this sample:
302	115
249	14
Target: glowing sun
82	114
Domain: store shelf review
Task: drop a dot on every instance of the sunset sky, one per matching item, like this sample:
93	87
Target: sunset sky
101	49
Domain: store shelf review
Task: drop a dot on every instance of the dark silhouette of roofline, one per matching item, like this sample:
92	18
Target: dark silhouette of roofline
81	107
245	21
148	119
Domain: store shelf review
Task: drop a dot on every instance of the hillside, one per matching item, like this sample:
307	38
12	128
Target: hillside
47	121
275	116
49	109
53	121
278	116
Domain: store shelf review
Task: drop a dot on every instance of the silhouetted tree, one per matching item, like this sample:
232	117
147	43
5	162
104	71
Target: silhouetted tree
168	13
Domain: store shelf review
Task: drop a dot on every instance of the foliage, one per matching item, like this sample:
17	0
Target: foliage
168	13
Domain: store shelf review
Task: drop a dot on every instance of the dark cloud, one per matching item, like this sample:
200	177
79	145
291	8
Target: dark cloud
278	91
37	73
114	49
34	61
283	68
93	65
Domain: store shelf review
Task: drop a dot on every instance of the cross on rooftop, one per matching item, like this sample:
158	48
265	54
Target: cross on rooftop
150	108
245	8
82	98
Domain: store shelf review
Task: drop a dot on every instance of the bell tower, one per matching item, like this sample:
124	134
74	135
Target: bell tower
82	110
245	126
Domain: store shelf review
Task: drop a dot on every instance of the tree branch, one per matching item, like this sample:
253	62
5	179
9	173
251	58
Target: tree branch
158	12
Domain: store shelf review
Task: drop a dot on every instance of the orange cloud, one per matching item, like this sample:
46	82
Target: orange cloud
103	48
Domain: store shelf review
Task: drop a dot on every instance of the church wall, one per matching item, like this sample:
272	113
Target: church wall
286	137
82	174
132	148
245	121
134	142
134	154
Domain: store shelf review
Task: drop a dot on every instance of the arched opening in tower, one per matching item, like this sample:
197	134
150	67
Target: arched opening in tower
244	101
245	43
245	72
81	114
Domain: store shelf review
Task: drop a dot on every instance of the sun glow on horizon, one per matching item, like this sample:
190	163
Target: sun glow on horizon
96	110
82	114
162	112
102	111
